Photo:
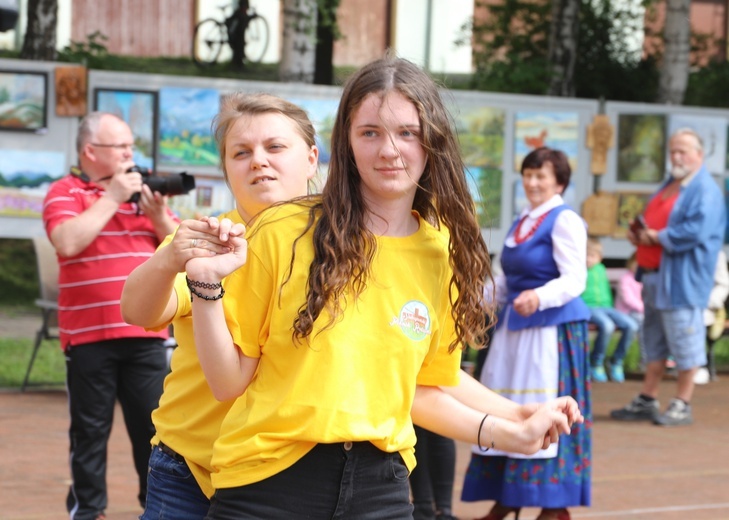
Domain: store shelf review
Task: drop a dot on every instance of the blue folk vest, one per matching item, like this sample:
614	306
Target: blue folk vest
530	265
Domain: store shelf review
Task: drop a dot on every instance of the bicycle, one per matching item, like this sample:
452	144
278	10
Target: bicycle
211	35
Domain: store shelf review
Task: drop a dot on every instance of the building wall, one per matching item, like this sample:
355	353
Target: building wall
137	27
709	17
365	28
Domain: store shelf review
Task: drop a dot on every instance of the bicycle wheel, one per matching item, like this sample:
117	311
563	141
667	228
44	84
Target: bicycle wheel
256	38
210	37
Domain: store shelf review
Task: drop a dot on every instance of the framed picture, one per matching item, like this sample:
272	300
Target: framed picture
70	91
641	147
712	131
630	205
139	109
185	138
557	130
23	101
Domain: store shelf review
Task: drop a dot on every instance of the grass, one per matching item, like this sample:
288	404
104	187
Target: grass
49	367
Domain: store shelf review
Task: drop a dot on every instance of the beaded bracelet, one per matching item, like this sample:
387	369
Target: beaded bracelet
191	284
478	438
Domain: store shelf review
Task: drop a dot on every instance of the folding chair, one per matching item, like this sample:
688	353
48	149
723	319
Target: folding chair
48	301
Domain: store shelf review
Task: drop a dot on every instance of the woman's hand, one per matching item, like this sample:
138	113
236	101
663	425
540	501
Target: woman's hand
544	423
527	303
223	246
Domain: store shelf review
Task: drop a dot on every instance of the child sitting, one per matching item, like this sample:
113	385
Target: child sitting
606	318
629	299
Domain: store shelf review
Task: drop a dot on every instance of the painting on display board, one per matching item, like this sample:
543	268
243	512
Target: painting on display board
211	197
641	147
70	83
139	109
726	201
480	132
24	179
23	101
185	137
557	130
712	131
630	205
322	113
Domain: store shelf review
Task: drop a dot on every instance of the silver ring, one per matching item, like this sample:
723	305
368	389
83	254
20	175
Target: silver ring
193	243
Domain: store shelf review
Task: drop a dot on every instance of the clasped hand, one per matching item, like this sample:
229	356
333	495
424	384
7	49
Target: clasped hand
545	422
209	249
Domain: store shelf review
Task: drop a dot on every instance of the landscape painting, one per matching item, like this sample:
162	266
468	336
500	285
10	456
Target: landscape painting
557	130
24	179
641	147
481	137
185	138
322	113
23	101
139	109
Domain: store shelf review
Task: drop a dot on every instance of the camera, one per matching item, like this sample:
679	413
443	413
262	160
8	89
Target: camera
176	184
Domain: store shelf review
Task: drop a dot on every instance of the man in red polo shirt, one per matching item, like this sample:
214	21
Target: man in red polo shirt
100	237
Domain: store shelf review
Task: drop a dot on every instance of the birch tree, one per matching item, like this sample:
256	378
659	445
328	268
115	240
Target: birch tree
40	34
563	43
298	55
674	69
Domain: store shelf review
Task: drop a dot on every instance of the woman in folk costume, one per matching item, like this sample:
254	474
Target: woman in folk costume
540	348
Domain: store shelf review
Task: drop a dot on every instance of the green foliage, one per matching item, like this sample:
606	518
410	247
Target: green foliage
510	47
708	86
510	51
91	53
18	272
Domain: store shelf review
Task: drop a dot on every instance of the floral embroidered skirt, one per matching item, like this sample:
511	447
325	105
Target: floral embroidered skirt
562	481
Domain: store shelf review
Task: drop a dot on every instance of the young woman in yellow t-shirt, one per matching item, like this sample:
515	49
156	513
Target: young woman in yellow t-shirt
155	295
342	316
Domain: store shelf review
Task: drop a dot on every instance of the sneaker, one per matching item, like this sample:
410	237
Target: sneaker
637	410
678	413
616	373
598	374
702	377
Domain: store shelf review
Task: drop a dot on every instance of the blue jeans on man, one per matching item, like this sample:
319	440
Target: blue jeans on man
607	320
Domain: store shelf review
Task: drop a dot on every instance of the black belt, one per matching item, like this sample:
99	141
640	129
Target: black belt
169	451
648	270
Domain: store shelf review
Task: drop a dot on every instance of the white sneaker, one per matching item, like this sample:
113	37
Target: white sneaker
701	377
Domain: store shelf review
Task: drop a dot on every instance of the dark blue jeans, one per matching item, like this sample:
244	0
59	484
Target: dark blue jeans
172	491
352	481
606	320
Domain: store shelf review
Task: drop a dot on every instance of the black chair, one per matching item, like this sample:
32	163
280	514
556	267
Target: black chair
48	301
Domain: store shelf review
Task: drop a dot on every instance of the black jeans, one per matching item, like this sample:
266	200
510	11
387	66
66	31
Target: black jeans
132	370
432	479
352	481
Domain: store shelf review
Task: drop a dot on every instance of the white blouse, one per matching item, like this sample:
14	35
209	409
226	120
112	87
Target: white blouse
569	238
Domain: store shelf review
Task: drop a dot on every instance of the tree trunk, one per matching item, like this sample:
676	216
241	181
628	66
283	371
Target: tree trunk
40	33
299	41
325	36
675	67
563	31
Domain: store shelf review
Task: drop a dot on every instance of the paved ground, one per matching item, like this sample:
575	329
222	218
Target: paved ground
640	471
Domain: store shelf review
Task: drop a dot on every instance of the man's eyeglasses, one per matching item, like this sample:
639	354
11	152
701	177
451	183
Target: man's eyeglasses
117	146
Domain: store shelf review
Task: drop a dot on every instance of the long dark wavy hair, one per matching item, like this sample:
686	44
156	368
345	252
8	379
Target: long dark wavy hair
344	247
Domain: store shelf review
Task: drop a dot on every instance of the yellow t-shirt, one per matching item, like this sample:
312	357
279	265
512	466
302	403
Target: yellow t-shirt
353	382
188	417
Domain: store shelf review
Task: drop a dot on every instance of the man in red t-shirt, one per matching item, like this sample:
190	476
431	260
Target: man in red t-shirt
677	246
100	236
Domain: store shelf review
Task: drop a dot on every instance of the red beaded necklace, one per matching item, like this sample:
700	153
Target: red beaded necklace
530	234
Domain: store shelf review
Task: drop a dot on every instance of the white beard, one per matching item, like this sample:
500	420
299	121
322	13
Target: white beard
679	172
